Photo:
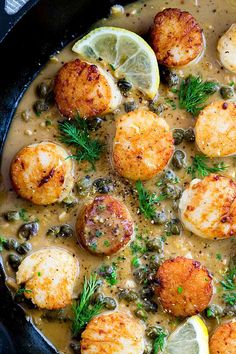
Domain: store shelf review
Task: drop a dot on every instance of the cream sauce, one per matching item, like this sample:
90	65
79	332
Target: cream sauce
214	17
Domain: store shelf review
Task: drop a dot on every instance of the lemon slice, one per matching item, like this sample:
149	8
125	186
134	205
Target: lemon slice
127	53
191	337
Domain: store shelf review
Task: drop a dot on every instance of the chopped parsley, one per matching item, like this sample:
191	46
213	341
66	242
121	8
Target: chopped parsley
180	289
106	243
23	215
135	262
171	103
23	290
108	272
218	256
2	242
229	286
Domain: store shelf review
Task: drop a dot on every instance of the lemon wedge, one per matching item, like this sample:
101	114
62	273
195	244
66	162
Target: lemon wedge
191	337
127	53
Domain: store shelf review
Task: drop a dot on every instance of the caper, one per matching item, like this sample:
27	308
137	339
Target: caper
94	123
124	85
49	100
70	200
75	347
43	89
106	270
109	303
53	231
173	227
171	191
14	261
83	185
140	275
178	159
155	107
189	135
170	176
24	248
153	331
141	313
12	215
103	185
40	106
98	297
168	77
213	88
160	218
213	311
155	261
66	231
128	295
227	92
55	315
178	135
155	244
130	106
150	306
11	244
28	230
147	293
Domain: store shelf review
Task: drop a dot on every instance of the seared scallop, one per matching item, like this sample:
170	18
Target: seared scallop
142	146
85	89
216	129
227	49
176	38
184	286
42	173
223	340
115	333
208	207
49	275
104	226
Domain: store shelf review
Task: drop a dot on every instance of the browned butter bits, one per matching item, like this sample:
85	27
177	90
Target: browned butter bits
223	340
184	286
176	38
104	226
84	89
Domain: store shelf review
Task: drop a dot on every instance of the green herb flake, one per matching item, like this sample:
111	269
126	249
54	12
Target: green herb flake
229	286
171	103
23	215
201	168
106	243
218	256
136	262
39	274
180	289
194	93
2	242
48	122
23	290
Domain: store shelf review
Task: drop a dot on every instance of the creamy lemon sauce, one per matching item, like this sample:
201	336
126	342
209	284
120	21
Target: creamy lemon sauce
214	17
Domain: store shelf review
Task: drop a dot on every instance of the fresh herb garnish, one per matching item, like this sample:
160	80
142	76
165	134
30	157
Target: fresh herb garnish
23	290
194	92
108	272
76	133
218	256
83	309
229	286
23	215
2	242
159	341
200	167
180	289
135	262
147	200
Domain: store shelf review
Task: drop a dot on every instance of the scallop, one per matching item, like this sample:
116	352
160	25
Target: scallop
216	129
208	207
42	173
49	276
184	286
227	48
176	38
85	89
114	333
104	226
223	340
142	146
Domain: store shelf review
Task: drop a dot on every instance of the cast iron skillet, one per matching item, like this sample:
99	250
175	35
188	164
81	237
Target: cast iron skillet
44	29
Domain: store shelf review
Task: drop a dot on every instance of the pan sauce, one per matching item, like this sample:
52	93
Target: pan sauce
214	17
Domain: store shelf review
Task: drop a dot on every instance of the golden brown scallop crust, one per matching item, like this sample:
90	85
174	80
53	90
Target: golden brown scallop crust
104	226
81	89
142	146
176	38
184	286
223	341
116	332
216	129
42	173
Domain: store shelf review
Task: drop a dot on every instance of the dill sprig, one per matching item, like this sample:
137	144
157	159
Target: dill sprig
84	310
147	200
23	291
229	285
76	133
200	167
159	341
194	92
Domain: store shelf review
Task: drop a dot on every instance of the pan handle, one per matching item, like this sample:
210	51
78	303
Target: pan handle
10	12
